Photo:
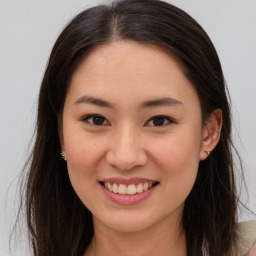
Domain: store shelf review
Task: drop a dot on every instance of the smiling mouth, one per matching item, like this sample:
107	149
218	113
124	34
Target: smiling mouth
131	189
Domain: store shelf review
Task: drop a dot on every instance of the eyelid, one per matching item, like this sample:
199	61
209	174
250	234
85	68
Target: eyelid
169	119
87	117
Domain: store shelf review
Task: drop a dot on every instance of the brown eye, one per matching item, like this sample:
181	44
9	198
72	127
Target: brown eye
96	120
159	121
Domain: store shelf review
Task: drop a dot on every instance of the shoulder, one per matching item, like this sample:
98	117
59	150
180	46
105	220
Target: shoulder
252	252
246	238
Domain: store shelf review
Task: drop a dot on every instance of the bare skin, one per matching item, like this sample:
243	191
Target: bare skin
252	252
131	114
139	243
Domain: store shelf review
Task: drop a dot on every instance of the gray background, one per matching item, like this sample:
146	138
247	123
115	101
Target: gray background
28	30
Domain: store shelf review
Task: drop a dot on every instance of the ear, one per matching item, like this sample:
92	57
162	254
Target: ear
211	133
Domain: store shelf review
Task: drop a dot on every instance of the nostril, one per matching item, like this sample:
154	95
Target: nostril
125	160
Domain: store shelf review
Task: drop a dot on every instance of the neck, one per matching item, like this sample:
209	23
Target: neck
165	239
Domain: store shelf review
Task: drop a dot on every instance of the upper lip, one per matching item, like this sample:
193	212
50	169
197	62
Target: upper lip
134	180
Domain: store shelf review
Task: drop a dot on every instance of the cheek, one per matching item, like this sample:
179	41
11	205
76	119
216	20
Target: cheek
82	149
83	166
84	155
179	167
83	158
178	161
179	152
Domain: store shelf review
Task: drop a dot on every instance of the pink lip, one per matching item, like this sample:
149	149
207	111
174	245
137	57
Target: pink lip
128	199
134	181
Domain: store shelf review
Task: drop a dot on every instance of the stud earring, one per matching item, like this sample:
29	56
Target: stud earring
208	152
63	155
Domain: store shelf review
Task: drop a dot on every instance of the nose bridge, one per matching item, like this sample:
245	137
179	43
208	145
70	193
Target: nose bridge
125	151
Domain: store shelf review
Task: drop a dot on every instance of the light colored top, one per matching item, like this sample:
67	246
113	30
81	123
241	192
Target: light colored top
246	238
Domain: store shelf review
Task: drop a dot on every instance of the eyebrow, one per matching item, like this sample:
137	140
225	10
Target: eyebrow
166	101
94	101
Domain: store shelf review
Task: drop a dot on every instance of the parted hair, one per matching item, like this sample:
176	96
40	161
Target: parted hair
58	222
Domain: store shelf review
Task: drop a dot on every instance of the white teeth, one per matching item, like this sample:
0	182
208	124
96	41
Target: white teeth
115	188
109	187
128	190
145	186
131	190
122	189
139	188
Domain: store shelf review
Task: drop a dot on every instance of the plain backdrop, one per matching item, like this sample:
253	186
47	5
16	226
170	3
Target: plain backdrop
28	30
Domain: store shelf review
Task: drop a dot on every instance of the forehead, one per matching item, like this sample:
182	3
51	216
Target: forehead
124	69
128	56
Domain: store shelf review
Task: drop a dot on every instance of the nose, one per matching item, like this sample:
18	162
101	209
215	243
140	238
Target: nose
125	151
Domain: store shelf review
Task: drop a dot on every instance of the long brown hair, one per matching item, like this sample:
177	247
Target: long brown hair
58	222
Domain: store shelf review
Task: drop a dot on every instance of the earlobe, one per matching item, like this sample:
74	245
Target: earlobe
211	133
63	155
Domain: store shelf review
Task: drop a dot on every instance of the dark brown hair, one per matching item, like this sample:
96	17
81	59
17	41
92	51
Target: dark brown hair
58	222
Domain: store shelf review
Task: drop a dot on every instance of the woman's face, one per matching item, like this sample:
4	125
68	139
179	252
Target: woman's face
132	134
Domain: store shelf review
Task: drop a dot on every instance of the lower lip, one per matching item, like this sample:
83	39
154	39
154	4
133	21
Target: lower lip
128	199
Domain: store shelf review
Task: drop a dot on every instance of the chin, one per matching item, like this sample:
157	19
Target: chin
130	226
128	221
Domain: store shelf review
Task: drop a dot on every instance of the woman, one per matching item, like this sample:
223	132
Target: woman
134	99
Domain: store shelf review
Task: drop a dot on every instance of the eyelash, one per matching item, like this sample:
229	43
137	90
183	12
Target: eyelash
166	118
91	116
